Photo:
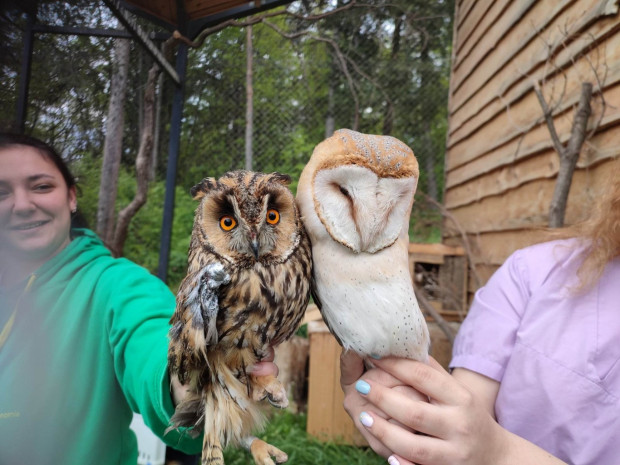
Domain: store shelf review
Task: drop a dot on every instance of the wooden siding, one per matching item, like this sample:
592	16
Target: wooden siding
500	163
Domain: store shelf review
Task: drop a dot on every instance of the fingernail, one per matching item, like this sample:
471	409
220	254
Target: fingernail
362	387
376	356
366	419
393	460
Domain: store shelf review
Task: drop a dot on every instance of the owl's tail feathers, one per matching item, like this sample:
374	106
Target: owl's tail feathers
189	413
212	450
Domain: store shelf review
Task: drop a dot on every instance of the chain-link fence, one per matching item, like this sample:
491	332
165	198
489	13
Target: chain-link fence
301	93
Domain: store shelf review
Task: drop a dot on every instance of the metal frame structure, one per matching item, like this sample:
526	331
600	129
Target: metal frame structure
189	28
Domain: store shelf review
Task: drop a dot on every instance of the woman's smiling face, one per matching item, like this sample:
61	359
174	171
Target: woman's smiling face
35	205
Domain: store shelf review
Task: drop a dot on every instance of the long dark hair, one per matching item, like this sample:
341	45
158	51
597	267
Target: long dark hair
8	139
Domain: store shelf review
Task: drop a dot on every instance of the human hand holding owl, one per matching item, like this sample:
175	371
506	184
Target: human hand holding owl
352	371
265	367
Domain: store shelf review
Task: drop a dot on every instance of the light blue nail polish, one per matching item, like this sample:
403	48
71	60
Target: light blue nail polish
362	387
366	419
376	356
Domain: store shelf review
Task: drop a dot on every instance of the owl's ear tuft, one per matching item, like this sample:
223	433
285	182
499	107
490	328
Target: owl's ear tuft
281	178
201	189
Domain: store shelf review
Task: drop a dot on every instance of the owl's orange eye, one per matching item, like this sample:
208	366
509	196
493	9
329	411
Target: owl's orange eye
227	223
273	216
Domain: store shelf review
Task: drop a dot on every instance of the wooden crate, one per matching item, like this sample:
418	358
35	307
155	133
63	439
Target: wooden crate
327	419
451	265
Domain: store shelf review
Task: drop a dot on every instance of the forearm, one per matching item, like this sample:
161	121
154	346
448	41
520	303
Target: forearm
517	450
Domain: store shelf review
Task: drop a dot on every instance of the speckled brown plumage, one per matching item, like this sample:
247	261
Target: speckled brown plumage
246	290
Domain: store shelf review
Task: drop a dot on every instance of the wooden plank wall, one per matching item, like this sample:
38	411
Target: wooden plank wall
500	162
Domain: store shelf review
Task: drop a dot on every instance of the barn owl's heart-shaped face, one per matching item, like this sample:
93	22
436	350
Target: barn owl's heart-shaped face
357	191
361	210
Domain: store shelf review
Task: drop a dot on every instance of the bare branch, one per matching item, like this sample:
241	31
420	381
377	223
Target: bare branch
345	70
142	165
371	80
580	122
286	35
599	90
465	240
428	308
342	61
255	20
548	114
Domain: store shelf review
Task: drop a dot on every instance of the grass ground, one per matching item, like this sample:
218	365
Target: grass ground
287	431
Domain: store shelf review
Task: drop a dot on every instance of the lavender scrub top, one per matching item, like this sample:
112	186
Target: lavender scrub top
555	353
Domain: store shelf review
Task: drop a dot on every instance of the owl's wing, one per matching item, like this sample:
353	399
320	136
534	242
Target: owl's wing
211	278
314	292
194	321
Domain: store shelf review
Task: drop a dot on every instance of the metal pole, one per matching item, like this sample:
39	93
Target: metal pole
173	155
24	77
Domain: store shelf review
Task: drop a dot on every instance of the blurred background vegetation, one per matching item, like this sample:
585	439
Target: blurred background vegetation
381	67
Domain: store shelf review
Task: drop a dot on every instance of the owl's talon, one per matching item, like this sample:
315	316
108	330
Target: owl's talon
271	388
279	402
262	453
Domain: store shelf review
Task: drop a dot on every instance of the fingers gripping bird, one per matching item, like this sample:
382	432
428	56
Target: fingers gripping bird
355	197
246	290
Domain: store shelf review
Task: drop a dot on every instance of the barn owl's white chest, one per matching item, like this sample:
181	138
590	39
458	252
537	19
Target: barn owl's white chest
368	301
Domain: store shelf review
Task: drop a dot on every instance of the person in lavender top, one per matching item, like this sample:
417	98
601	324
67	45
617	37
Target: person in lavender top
535	370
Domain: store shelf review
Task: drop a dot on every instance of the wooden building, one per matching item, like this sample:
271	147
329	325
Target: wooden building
501	166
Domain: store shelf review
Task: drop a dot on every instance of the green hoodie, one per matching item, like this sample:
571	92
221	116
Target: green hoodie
88	347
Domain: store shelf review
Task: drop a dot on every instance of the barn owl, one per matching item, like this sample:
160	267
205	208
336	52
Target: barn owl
355	197
246	290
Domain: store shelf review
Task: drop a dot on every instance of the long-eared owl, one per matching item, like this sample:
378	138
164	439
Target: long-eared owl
246	290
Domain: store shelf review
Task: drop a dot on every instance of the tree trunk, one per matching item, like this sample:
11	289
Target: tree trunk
330	122
429	164
427	149
143	164
569	156
249	103
388	112
113	144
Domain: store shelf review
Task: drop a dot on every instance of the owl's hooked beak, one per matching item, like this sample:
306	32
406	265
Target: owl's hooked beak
255	248
254	244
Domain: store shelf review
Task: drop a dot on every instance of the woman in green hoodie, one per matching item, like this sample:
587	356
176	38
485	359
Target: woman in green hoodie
83	335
